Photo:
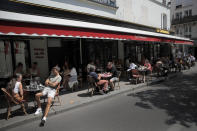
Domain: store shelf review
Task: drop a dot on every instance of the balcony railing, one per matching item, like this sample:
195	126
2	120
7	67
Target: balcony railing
184	20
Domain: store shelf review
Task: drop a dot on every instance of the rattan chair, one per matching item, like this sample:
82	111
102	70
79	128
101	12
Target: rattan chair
10	100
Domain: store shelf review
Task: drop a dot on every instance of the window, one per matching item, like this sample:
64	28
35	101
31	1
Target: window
177	31
186	13
190	28
164	21
178	6
6	59
185	29
177	15
190	12
180	15
164	2
180	32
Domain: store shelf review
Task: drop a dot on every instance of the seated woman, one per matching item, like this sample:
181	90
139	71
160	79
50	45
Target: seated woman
72	76
19	69
18	93
65	75
148	67
34	71
97	78
158	66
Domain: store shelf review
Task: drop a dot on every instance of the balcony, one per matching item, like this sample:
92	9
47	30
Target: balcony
184	20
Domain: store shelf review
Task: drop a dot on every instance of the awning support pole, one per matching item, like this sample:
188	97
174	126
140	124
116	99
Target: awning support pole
80	51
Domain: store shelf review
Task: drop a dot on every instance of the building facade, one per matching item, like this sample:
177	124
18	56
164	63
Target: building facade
52	31
184	19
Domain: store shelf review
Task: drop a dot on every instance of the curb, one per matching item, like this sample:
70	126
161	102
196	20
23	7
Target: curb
77	105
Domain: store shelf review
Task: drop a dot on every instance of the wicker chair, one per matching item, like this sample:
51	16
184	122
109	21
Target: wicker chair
10	99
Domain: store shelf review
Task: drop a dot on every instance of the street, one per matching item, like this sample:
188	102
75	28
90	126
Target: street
168	106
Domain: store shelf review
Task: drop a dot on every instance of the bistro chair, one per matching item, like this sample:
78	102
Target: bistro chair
80	80
10	100
91	84
118	81
136	75
57	95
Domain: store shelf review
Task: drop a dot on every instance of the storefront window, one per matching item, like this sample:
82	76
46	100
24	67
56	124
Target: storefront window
19	50
6	69
11	53
101	50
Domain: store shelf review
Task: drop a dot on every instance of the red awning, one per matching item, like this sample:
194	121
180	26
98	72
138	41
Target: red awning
29	29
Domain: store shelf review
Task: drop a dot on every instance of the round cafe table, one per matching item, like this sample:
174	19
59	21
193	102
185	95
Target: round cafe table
33	90
106	76
142	71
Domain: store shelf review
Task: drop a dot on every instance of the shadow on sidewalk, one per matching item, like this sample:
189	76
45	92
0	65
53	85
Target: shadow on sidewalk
179	99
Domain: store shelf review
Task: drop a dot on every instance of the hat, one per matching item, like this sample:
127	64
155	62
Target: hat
57	68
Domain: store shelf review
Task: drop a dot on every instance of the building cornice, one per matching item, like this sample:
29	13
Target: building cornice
159	3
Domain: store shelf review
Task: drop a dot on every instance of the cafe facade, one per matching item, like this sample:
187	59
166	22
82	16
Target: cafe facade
78	31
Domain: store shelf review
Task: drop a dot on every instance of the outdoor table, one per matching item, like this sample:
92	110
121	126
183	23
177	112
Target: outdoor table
33	90
99	70
106	76
142	70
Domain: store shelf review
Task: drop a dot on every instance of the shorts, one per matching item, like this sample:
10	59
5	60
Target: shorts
49	92
18	98
114	79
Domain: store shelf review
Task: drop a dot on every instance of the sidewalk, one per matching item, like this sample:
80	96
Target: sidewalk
69	102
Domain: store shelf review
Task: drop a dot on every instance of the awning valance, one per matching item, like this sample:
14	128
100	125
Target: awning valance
33	29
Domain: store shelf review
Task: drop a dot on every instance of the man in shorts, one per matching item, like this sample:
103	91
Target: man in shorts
112	69
50	90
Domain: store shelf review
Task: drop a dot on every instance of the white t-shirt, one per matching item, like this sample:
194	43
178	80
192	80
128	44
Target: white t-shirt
132	66
16	87
193	58
73	78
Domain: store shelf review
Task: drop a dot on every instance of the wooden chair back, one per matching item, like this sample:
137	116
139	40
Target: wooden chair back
8	96
135	72
90	79
119	74
57	90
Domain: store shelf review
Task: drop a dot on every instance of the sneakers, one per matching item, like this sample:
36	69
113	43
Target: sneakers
38	111
43	121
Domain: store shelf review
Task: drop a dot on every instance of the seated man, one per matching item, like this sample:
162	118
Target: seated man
98	80
90	65
112	69
50	90
132	65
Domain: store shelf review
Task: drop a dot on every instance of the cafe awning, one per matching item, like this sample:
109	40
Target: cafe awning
31	25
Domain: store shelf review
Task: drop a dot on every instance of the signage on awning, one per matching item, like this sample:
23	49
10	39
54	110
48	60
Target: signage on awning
162	31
